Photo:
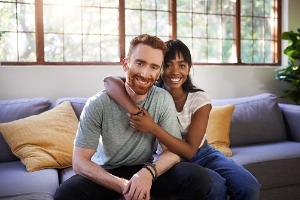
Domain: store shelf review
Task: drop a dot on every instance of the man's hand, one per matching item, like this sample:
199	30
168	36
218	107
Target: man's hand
139	186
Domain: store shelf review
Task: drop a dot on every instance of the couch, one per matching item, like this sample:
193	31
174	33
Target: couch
264	137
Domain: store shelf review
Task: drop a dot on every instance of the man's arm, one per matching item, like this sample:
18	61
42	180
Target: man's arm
165	160
83	165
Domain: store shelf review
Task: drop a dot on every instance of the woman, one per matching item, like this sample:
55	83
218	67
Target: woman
193	107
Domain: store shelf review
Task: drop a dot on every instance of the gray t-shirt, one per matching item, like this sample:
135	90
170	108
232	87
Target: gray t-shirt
104	126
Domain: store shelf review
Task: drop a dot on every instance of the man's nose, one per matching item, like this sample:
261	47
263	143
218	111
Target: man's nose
145	72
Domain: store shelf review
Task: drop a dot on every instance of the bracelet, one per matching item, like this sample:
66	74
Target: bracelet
139	112
154	168
146	167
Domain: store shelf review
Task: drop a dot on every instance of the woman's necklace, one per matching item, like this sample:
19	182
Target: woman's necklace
184	96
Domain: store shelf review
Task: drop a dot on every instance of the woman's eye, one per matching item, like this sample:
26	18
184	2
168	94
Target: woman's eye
166	65
182	65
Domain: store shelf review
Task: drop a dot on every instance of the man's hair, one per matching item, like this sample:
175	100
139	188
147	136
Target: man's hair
149	40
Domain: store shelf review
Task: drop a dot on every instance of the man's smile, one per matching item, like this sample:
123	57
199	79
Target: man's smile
142	81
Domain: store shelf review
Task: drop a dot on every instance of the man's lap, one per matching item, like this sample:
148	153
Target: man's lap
176	180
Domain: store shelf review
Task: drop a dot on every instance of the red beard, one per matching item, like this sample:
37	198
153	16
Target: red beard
139	89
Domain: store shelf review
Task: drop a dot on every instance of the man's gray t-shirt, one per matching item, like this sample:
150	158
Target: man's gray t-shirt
104	126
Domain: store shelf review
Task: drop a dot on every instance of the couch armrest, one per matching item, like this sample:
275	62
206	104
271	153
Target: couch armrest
291	114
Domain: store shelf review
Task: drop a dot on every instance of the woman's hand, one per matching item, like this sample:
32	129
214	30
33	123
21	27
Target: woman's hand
142	122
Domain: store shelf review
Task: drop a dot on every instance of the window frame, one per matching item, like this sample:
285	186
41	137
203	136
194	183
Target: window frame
172	35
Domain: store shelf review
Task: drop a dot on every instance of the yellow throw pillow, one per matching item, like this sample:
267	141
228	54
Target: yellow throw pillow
44	140
217	131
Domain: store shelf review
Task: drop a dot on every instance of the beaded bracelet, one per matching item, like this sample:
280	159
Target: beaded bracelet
153	167
139	112
146	167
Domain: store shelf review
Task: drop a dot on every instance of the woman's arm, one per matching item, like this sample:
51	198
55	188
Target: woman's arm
185	149
114	87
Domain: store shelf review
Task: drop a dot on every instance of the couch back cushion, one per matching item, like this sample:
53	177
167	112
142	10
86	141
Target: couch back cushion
11	110
76	102
256	119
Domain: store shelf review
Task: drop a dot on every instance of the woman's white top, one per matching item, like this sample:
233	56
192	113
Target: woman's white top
193	102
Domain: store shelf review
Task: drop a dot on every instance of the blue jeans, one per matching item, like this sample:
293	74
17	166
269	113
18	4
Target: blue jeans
227	177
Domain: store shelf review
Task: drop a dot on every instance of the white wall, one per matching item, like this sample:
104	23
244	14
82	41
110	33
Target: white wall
293	8
83	81
65	81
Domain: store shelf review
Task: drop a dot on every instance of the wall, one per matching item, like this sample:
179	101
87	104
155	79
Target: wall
54	82
293	8
83	81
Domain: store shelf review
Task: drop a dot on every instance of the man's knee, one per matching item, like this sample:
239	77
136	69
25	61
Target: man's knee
68	190
218	188
194	178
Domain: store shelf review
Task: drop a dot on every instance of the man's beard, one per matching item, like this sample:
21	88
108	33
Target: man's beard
139	89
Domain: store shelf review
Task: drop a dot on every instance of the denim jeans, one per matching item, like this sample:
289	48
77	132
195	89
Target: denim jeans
227	177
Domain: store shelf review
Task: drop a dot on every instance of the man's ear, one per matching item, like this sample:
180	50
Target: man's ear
125	64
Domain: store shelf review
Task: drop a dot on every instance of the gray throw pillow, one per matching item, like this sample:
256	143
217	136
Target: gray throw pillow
11	110
77	103
256	119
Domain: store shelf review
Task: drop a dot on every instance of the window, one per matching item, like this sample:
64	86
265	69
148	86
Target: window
146	16
243	32
17	28
208	29
93	37
227	31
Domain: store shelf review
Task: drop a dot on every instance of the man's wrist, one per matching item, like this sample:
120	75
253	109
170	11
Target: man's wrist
151	167
150	171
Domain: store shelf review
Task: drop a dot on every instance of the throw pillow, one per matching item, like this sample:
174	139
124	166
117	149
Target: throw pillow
44	140
14	109
217	131
256	119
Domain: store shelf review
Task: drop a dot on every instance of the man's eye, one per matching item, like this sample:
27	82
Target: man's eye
139	63
154	68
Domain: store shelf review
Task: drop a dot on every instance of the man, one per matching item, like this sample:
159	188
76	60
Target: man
109	156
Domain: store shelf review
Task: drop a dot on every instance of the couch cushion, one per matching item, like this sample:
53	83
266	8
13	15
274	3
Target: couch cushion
44	140
11	110
287	192
217	131
65	174
77	103
17	183
291	114
273	164
256	119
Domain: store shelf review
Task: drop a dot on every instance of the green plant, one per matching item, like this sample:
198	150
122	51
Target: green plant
291	72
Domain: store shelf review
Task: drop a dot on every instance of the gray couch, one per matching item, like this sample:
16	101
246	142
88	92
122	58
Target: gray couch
264	138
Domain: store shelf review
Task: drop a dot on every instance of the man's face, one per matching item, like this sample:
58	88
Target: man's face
143	68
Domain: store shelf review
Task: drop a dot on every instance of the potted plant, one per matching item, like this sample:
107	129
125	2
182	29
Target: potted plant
291	72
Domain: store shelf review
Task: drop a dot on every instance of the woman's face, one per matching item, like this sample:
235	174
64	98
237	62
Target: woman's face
175	72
